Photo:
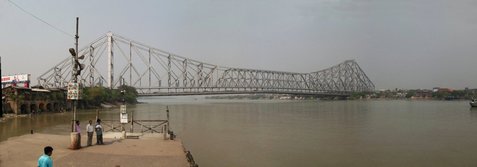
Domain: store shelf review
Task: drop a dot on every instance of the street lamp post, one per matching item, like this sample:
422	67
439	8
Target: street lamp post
74	89
123	116
75	80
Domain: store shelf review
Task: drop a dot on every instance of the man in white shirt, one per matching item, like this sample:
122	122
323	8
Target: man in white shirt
90	130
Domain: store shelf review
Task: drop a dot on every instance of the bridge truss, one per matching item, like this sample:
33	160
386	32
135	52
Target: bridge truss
112	60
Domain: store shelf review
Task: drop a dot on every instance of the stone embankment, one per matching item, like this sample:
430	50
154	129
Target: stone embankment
146	150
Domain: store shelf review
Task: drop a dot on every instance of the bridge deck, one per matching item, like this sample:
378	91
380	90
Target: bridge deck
172	93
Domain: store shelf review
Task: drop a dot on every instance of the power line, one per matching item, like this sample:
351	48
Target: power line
31	14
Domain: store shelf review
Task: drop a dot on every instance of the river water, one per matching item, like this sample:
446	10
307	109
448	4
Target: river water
299	133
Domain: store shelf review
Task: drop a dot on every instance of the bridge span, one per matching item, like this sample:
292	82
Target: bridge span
343	94
113	60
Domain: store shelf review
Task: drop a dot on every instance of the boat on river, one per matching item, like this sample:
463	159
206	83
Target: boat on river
473	103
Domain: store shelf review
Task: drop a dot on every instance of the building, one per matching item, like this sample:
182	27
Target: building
20	100
422	94
442	90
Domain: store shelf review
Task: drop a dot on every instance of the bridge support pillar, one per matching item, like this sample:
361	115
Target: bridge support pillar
110	61
164	128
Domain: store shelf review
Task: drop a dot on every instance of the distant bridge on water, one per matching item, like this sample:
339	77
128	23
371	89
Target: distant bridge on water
113	60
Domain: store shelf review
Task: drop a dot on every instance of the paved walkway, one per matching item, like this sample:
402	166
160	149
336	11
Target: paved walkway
148	150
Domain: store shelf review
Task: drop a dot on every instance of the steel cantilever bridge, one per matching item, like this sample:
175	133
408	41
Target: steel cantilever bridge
112	60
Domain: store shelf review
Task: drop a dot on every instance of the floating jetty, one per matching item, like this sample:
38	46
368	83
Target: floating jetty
144	149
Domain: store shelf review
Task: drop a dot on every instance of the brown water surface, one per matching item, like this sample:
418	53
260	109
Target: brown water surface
300	133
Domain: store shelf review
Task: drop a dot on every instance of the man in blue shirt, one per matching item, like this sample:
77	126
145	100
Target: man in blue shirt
45	159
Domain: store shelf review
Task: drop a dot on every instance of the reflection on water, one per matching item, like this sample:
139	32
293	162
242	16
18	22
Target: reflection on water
473	111
301	133
23	125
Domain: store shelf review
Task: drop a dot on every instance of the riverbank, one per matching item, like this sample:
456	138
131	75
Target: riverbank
148	150
9	116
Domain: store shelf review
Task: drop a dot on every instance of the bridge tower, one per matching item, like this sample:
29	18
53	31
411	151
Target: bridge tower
110	60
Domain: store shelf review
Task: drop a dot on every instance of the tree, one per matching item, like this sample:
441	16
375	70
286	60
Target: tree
97	95
15	97
130	95
440	95
410	93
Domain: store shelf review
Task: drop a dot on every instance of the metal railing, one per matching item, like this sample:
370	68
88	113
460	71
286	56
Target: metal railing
139	126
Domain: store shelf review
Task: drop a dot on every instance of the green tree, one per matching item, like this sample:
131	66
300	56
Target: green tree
130	95
410	93
358	95
459	94
97	95
16	97
439	95
94	95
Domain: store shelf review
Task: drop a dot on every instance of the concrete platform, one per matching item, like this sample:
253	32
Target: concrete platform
148	150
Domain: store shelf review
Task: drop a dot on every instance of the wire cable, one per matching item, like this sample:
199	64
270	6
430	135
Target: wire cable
38	18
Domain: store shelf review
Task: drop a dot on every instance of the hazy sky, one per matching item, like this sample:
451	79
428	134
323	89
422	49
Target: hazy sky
398	43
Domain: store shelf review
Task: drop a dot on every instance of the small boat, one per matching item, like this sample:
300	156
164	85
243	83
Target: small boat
473	103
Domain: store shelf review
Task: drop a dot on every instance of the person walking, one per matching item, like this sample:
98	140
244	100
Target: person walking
99	132
90	131
45	159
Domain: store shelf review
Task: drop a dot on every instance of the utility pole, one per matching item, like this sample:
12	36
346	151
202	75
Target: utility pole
75	70
1	105
123	115
74	90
